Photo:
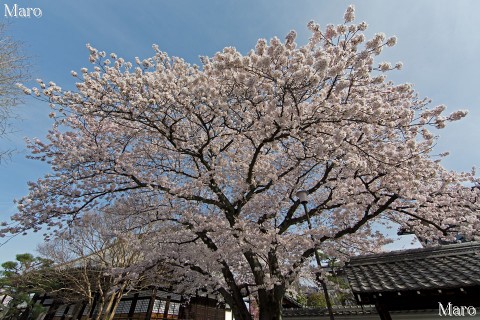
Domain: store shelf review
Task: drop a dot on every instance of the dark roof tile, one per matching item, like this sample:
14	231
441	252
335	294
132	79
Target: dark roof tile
450	266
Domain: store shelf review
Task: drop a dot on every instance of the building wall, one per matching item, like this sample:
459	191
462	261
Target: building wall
148	305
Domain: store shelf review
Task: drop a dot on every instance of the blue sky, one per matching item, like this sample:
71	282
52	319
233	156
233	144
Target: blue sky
438	43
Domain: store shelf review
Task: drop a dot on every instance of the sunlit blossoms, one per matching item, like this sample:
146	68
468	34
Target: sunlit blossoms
216	154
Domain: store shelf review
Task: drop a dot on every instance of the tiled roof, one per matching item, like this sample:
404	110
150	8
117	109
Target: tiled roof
445	267
291	302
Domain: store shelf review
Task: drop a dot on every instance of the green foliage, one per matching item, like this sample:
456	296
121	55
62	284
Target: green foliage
338	290
301	298
316	299
21	279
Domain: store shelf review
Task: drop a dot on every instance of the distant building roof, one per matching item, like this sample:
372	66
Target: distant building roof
290	302
445	267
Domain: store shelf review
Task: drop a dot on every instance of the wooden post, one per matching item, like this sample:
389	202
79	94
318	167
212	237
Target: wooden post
93	306
382	311
82	309
167	306
133	305
151	304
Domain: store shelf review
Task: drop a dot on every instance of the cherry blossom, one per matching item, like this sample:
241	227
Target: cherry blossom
215	154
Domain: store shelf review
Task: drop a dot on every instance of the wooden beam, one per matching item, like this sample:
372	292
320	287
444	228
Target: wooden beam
382	311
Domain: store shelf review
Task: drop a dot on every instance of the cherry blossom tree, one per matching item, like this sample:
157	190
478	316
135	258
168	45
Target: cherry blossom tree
92	260
216	154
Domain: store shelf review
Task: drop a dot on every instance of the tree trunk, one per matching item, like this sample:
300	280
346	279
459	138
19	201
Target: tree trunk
239	309
113	304
327	299
270	303
241	313
233	296
271	311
